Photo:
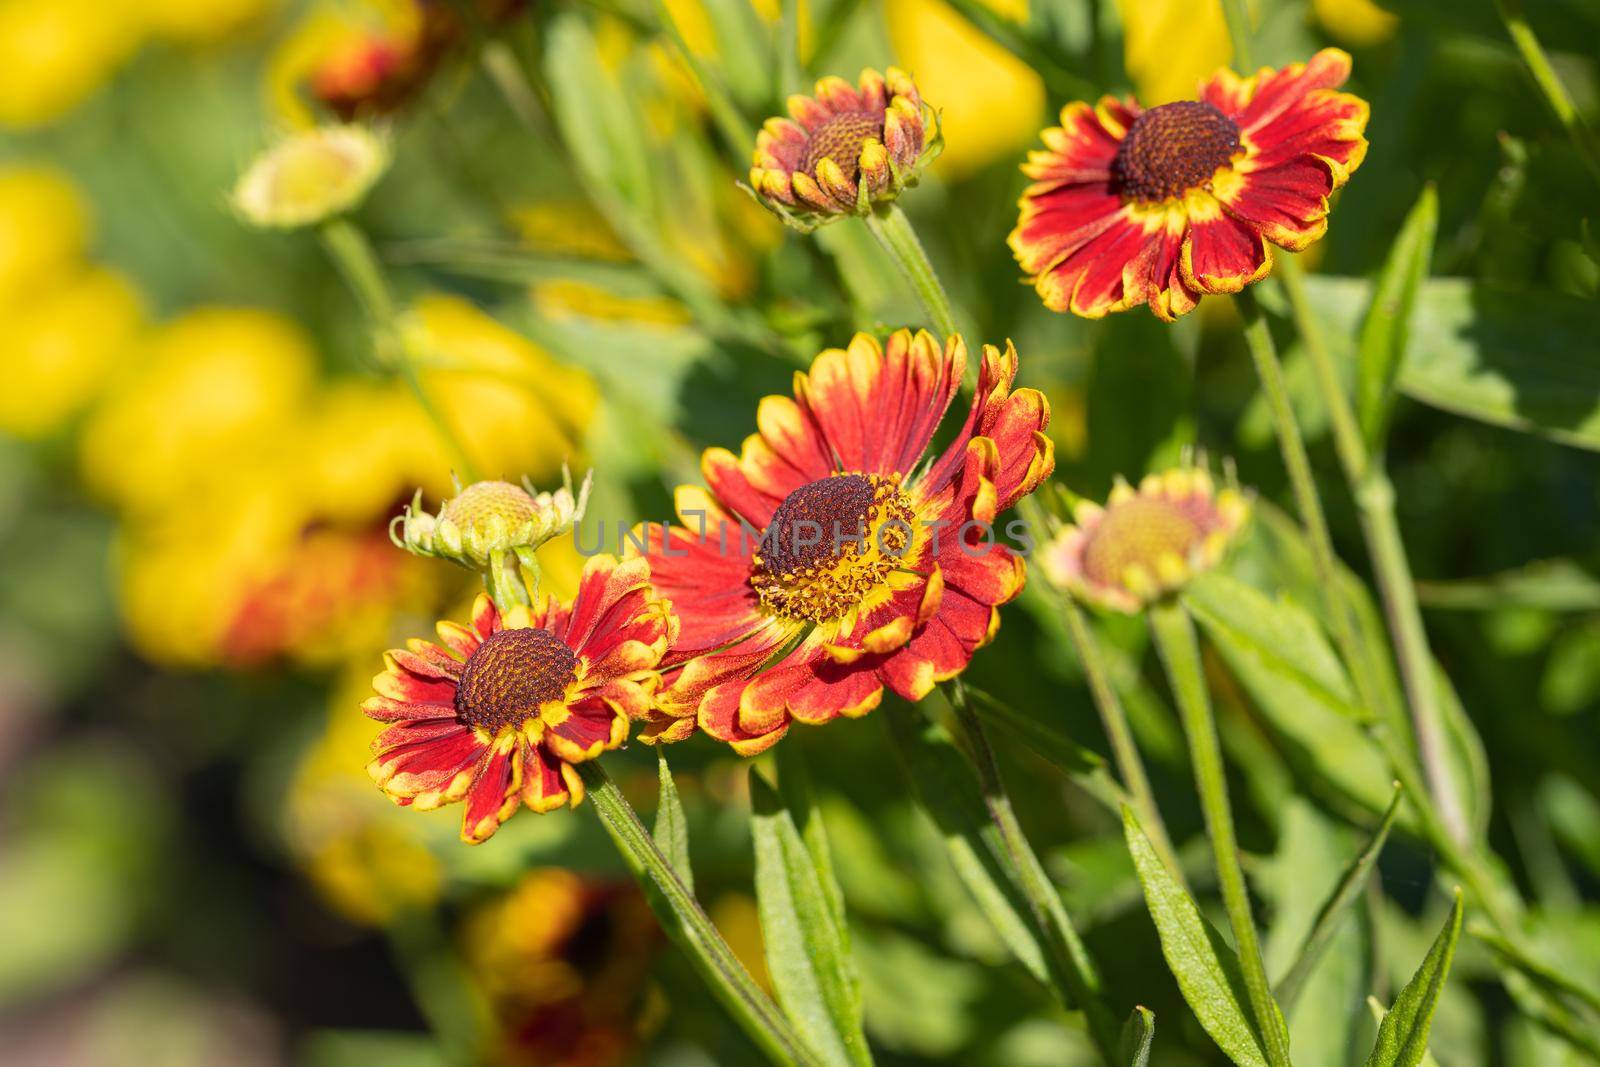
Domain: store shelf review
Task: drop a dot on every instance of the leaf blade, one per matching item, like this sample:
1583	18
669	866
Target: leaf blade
1403	1035
1386	329
808	954
1206	969
671	829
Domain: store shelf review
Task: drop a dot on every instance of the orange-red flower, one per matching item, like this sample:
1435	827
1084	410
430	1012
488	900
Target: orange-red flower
1161	206
847	148
830	559
498	713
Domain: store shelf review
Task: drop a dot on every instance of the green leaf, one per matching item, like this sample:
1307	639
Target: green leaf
1472	353
1281	657
1138	1034
1403	1035
671	831
1334	910
597	119
1549	585
1387	327
1206	968
807	943
951	797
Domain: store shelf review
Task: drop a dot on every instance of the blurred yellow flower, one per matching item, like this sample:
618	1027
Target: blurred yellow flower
202	20
568	228
55	53
514	407
58	348
1359	23
567	298
990	103
1170	45
210	390
44	228
366	861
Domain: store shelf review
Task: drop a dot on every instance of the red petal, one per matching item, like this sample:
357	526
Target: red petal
492	798
1223	255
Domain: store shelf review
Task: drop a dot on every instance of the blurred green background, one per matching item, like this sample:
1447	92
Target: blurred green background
199	457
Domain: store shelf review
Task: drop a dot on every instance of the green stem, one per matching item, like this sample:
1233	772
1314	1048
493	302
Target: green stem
893	230
1237	14
724	112
1180	652
1130	766
683	918
1544	76
1070	958
352	253
1341	616
1374	497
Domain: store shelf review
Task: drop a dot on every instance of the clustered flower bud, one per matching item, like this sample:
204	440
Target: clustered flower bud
490	517
846	149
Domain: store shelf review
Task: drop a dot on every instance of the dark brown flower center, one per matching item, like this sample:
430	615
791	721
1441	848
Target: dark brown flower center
1139	532
1173	148
510	675
830	543
840	139
813	524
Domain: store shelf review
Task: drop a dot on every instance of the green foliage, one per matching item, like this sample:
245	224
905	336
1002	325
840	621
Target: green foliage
1403	1035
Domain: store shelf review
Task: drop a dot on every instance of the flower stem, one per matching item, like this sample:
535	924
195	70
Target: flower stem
1071	958
1130	766
1374	497
1544	76
1180	653
352	253
893	230
687	923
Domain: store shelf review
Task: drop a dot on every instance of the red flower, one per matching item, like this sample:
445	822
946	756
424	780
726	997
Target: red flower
1160	207
499	713
828	560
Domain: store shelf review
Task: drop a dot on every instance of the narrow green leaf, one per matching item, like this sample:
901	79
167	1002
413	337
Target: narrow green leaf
1206	968
1378	1015
1403	1036
1471	353
794	786
597	119
671	831
1386	330
1549	585
1538	971
1045	737
744	49
1138	1034
949	794
1281	657
807	944
1333	912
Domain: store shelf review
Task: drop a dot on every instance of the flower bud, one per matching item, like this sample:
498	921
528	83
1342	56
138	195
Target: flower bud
311	177
491	517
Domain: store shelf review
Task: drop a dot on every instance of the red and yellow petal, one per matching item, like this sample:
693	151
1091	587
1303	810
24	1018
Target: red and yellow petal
1272	92
429	772
494	794
1082	147
1220	253
1057	222
718	715
547	782
942	649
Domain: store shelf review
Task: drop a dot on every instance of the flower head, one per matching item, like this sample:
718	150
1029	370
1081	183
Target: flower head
845	149
311	176
1161	206
489	517
833	557
498	713
1145	542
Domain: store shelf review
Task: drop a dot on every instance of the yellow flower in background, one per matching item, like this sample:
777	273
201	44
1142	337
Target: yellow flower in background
57	349
366	860
990	102
210	390
568	299
1359	23
514	407
44	227
1170	45
55	53
568	228
368	447
202	20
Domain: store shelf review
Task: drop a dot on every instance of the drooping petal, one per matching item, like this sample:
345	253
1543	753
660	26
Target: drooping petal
1222	254
544	787
493	796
